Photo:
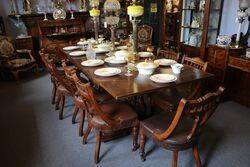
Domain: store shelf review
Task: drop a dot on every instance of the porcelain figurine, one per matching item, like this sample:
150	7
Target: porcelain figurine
26	7
196	22
169	6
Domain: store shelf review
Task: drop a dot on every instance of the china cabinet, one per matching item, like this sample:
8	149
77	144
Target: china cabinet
54	33
171	23
200	26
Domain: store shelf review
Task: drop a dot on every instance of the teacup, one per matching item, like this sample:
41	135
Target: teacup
176	68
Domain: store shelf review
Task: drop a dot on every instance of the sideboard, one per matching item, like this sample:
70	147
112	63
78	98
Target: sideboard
232	70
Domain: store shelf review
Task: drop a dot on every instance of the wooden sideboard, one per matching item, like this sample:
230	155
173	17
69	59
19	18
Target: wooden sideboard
31	22
232	70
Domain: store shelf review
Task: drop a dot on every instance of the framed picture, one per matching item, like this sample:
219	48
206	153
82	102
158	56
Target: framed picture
2	28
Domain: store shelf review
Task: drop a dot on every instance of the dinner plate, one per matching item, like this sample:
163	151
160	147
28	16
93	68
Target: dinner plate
92	63
107	72
77	53
114	60
165	62
163	78
98	50
82	43
122	47
70	48
145	54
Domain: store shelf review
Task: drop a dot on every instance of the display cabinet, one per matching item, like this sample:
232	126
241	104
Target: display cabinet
200	26
54	33
171	23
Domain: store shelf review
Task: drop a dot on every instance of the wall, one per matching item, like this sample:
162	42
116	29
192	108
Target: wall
228	25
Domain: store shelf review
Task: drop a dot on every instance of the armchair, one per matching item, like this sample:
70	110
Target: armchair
15	61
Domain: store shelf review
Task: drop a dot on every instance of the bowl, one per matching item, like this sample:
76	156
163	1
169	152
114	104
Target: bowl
146	68
121	55
224	40
176	68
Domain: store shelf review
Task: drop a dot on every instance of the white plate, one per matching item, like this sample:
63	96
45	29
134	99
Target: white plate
145	54
82	43
165	62
70	48
98	50
113	60
77	53
163	78
107	72
92	63
122	47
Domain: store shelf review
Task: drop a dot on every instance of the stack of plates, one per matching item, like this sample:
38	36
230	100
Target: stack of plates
107	72
92	63
145	54
77	53
165	62
70	48
114	60
163	78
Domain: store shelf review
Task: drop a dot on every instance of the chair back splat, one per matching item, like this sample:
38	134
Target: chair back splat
86	92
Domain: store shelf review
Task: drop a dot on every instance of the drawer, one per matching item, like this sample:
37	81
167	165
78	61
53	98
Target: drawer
239	63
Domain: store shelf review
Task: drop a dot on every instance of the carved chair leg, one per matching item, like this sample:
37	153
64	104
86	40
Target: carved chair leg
175	159
142	146
62	107
135	138
86	134
75	111
16	76
196	156
58	100
81	125
54	94
98	146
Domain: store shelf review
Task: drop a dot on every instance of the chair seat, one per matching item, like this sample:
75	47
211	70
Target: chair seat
120	112
16	63
167	100
160	123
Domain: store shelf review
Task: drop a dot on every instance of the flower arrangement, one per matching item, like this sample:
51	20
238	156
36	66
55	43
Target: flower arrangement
135	10
94	12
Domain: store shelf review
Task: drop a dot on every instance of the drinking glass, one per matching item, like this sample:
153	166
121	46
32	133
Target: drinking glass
130	60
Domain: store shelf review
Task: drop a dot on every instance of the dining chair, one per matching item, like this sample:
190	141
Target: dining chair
168	54
64	86
145	35
181	131
169	98
106	118
100	96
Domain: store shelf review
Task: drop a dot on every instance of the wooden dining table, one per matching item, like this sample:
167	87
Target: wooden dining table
121	86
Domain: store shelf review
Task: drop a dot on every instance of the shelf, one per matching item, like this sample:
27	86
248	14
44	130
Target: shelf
197	28
62	35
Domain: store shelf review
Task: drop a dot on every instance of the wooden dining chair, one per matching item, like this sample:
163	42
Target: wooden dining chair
79	105
65	87
145	35
183	130
169	99
106	118
168	54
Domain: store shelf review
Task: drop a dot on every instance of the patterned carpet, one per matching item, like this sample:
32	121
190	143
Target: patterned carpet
33	136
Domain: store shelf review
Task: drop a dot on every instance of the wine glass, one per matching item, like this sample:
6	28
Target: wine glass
130	60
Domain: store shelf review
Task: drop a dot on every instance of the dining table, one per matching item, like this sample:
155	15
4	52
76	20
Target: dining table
122	87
